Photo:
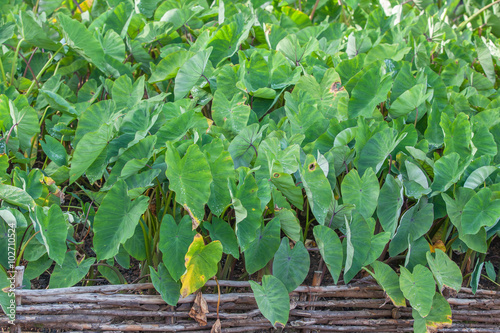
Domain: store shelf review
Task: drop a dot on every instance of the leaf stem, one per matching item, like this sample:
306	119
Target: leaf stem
476	14
44	68
18	261
14	61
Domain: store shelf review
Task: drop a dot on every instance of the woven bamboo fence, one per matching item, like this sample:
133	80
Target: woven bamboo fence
361	307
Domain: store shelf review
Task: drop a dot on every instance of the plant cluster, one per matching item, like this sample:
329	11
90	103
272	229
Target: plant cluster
194	136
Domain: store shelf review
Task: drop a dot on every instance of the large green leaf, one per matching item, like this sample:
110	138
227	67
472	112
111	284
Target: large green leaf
7	299
272	299
221	230
371	89
330	248
54	150
389	204
377	149
190	73
201	264
415	222
174	243
16	196
480	211
447	171
409	101
318	190
190	179
88	150
263	248
363	192
116	220
33	33
168	288
438	317
230	114
457	135
389	281
71	272
244	146
446	272
53	229
418	287
358	243
291	265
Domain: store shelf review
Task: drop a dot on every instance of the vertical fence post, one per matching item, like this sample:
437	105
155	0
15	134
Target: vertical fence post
19	284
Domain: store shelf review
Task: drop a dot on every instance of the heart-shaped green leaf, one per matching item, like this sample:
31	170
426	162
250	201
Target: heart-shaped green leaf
263	248
446	272
53	230
272	299
330	248
71	272
174	243
438	317
221	230
291	265
363	192
480	211
418	287
389	281
165	285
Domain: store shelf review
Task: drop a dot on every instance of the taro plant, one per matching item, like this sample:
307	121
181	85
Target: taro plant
191	137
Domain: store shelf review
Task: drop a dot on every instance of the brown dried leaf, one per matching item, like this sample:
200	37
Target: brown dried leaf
217	327
199	310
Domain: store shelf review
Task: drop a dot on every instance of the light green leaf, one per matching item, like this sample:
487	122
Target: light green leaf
447	171
480	211
330	248
418	287
362	192
230	114
71	272
438	317
190	179
191	72
116	219
53	229
446	272
221	230
389	281
389	204
478	176
17	197
272	299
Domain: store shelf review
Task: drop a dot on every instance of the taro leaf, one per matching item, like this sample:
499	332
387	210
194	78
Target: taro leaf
80	39
389	204
490	270
263	248
88	149
330	248
255	74
17	197
457	135
27	122
289	223
221	230
446	272
165	285
98	114
417	183
454	208
358	242
53	230
71	272
362	192
135	246
6	301
364	97
201	264
272	299
174	243
229	37
319	192
191	72
388	279
286	186
476	276
116	219
125	94
377	244
409	101
291	265
243	148
415	222
34	34
247	207
222	168
190	179
447	171
480	211
55	151
230	114
484	57
484	142
377	149
418	287
438	317
169	66
291	48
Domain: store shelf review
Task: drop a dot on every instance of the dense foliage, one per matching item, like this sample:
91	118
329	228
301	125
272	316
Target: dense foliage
190	135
